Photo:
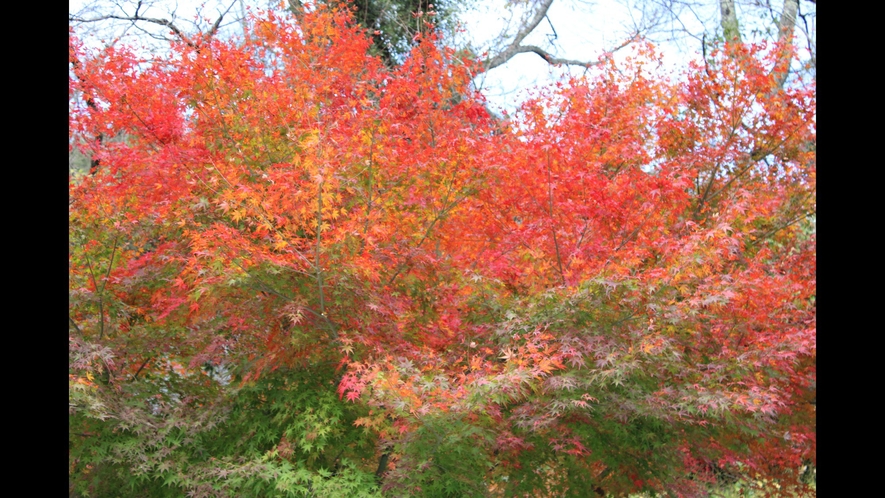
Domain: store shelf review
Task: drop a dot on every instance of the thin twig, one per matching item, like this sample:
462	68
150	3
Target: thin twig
74	324
144	364
100	300
552	221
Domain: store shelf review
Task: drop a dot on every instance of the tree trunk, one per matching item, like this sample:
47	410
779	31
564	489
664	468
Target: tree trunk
730	27
786	26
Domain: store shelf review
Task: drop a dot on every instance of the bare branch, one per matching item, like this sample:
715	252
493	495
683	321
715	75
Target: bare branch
217	23
138	17
514	46
162	22
570	62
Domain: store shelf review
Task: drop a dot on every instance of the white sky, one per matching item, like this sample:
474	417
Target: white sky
584	29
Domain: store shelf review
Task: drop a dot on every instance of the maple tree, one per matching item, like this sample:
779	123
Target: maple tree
300	271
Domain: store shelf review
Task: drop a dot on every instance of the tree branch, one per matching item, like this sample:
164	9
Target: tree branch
136	17
516	46
144	364
318	267
776	229
552	59
786	25
382	466
730	27
74	324
266	287
217	23
552	220
100	300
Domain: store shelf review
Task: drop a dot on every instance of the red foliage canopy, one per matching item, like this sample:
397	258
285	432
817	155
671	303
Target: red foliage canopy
629	257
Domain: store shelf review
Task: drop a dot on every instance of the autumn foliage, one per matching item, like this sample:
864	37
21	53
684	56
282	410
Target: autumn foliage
296	270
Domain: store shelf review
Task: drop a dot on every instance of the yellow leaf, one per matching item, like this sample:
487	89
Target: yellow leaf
311	139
